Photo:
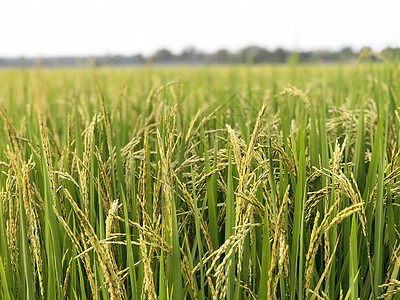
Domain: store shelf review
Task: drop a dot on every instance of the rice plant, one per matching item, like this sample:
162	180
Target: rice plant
235	182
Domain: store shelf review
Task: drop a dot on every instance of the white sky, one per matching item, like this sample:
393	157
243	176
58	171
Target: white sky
83	27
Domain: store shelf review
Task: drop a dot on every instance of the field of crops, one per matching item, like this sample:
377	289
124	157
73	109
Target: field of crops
209	182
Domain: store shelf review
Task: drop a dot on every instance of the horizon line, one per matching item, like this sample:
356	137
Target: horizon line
196	49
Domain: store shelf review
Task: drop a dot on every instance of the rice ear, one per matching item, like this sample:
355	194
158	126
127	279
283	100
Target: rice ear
103	256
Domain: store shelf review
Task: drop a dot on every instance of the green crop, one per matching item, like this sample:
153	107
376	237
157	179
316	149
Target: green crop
237	182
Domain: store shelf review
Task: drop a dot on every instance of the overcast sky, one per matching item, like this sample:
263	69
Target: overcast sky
83	27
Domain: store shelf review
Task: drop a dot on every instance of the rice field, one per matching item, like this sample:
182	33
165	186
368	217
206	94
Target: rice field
214	182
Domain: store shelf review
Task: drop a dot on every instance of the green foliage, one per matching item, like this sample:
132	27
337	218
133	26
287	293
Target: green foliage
227	183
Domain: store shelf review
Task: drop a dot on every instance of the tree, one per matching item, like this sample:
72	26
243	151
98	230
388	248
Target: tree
279	56
163	56
347	54
222	56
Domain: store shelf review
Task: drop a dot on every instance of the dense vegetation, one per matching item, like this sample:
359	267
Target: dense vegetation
193	56
199	183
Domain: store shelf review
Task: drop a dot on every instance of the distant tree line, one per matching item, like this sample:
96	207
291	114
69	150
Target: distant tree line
192	56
